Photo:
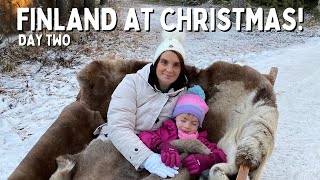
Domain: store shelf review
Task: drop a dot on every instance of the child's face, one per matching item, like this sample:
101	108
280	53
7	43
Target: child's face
187	123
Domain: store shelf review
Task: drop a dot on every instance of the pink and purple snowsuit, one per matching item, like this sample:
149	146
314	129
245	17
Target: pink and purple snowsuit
168	132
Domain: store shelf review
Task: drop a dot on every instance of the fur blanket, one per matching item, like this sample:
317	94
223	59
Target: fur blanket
242	115
68	134
101	160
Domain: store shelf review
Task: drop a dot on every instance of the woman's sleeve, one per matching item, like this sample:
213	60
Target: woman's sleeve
121	122
165	133
151	139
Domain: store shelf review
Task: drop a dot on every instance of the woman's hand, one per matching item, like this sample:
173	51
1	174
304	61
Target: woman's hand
154	165
169	155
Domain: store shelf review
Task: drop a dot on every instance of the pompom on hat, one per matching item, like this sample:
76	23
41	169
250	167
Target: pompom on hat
171	41
192	103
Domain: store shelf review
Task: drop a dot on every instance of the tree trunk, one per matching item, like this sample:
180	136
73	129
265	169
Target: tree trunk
89	4
64	8
103	2
238	4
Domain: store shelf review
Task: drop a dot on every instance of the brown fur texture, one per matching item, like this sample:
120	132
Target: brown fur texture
242	118
225	75
242	115
99	79
68	134
102	160
65	167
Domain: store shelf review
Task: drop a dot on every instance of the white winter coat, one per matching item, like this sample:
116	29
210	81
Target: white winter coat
137	106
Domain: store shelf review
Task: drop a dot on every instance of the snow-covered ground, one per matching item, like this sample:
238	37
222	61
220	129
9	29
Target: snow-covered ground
33	96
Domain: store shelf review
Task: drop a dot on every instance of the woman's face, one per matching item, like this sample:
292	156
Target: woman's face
168	69
187	123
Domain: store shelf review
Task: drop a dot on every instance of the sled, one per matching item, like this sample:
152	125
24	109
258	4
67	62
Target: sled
244	170
222	83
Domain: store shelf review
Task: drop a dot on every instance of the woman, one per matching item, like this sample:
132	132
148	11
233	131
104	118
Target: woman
142	101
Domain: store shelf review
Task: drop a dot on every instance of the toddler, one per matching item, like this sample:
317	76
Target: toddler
186	123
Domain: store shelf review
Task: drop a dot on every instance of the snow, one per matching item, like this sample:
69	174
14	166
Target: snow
33	96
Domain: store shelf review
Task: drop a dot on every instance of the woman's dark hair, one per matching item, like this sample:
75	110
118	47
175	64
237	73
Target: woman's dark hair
182	80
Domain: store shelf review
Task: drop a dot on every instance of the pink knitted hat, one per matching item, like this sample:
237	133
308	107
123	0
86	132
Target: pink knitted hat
192	103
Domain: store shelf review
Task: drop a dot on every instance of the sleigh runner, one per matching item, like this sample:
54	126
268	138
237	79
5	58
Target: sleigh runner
242	117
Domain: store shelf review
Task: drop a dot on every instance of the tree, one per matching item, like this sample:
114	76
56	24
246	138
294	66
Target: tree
8	15
66	5
102	2
238	4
